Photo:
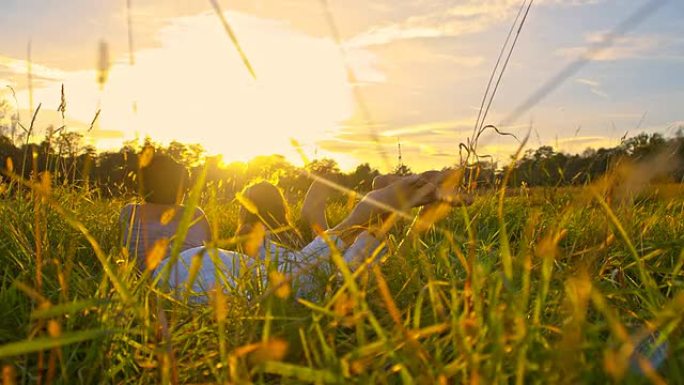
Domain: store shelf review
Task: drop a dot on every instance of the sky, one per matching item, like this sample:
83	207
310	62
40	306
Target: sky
419	68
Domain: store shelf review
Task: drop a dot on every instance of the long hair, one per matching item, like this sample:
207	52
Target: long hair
263	203
164	180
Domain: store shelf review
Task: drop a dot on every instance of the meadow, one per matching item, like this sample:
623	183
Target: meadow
538	285
541	285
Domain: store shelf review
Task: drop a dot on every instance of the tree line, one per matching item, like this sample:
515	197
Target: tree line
115	173
546	167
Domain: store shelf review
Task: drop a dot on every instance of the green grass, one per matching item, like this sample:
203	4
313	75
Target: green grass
588	279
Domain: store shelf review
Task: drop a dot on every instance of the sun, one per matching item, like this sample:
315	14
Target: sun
194	88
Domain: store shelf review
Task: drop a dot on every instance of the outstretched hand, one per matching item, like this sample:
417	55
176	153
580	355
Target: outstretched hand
420	190
405	193
449	188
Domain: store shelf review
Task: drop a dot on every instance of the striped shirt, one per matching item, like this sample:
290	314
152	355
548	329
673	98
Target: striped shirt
143	225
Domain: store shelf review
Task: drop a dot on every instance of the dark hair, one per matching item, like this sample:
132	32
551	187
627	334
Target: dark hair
163	180
267	205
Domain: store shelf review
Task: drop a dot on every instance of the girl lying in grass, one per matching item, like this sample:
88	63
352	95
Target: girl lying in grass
154	222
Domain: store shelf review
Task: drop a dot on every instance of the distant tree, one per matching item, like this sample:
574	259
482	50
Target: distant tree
175	150
482	173
323	167
363	176
402	170
7	151
69	143
8	120
130	146
269	167
680	132
188	154
543	152
643	145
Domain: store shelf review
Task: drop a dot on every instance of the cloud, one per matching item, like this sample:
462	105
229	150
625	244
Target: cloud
624	115
573	2
365	67
100	134
446	20
590	83
418	155
594	87
424	145
11	68
581	140
578	144
430	127
623	48
437	132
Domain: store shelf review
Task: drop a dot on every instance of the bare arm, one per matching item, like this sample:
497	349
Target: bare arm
396	198
313	207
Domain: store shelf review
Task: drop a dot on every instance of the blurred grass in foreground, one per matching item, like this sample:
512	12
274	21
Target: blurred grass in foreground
591	278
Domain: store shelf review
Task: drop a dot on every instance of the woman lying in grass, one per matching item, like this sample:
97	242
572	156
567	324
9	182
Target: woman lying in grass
271	245
153	223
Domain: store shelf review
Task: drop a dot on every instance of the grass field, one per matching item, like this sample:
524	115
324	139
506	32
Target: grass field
545	286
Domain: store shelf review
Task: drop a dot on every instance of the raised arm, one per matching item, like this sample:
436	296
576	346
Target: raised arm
397	198
313	207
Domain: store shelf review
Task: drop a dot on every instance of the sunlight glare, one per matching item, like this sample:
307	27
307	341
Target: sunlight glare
195	89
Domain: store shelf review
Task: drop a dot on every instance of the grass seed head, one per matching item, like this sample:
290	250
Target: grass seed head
280	283
103	64
274	349
157	253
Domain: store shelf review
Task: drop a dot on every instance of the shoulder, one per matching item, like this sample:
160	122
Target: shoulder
201	218
127	211
199	212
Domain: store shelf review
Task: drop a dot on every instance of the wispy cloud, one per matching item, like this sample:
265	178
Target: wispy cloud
471	16
424	145
573	2
625	47
594	87
578	144
430	127
581	140
11	67
454	21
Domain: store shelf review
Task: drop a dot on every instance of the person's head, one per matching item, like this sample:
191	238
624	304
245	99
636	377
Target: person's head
164	181
264	203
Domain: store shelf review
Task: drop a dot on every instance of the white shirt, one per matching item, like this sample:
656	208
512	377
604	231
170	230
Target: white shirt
299	265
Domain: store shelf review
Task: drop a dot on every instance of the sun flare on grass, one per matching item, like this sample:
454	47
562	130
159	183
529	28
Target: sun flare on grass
194	88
